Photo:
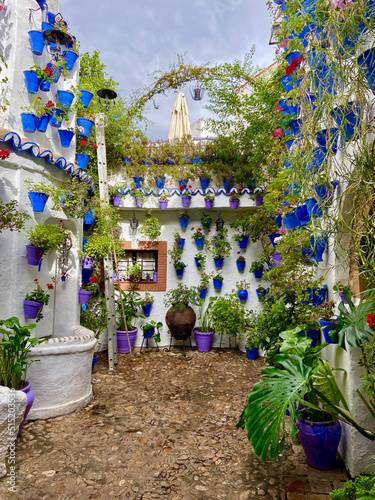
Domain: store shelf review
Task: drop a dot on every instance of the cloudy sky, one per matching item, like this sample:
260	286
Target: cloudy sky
137	38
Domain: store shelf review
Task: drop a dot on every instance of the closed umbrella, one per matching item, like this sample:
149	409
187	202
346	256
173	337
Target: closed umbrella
180	125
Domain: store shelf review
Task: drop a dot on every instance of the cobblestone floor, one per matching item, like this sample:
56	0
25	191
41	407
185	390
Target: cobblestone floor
162	427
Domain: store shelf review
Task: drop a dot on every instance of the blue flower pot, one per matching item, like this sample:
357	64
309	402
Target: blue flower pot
147	308
366	62
183	222
182	183
318	158
294	109
66	137
317	248
38	200
32	82
86	124
29	122
46	26
85	97
86	275
227	183
205	182
303	214
252	353
243	294
70	59
296	125
197	262
137	182
205	225
313	207
325	192
261	293
43	123
202	293
94	360
316	58
241	265
258	273
200	242
82	160
218	284
326	81
327	327
289	144
327	140
243	242
180	272
42	4
348	119
317	297
219	262
291	221
54	121
88	220
320	441
65	97
45	86
289	82
292	55
56	72
181	243
278	219
37	42
150	333
284	105
160	181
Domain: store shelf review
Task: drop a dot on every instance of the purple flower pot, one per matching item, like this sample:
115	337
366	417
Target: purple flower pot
84	296
258	200
34	254
31	309
209	204
138	202
116	199
276	259
252	353
186	200
320	441
86	263
29	402
122	341
203	340
154	276
163	204
234	204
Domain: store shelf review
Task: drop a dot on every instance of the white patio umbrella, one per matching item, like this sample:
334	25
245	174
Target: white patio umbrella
180	125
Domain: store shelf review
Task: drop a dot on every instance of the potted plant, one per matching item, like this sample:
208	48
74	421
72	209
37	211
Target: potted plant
242	289
324	313
149	330
151	226
34	301
204	333
39	194
128	308
206	221
242	225
95	317
218	280
241	262
147	302
261	292
138	193
180	317
253	341
163	201
340	288
85	292
37	113
16	342
114	193
186	195
219	246
257	268
175	254
134	273
204	283
209	199
234	198
183	218
42	239
198	236
178	240
200	261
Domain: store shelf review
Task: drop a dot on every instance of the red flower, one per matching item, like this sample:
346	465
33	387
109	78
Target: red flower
4	153
232	192
36	279
240	189
50	104
238	252
192	229
48	71
182	187
289	70
190	186
93	279
39	98
371	321
83	142
199	229
209	230
49	286
95	146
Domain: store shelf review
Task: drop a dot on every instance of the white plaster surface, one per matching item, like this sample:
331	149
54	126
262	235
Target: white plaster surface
12	409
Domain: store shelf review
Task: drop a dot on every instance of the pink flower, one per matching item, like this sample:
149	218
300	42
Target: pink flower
279	108
3	7
278	132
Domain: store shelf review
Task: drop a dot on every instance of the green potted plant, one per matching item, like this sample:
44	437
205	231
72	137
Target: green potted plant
134	273
39	194
206	221
163	201
183	218
204	333
151	226
138	194
175	254
114	193
34	301
228	316
209	199
243	227
180	317
242	289
127	314
253	341
257	268
204	282
149	330
147	302
219	246
42	111
42	239
200	261
198	236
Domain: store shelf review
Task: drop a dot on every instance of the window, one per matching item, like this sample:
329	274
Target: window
148	261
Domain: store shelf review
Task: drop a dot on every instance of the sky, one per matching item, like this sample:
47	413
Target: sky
137	38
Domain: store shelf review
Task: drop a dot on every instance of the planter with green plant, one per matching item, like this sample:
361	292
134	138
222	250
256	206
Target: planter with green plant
42	239
41	111
200	260
147	302
257	268
183	218
206	221
209	199
34	301
204	283
228	316
127	314
242	289
180	317
151	226
219	246
243	227
204	333
149	330
163	201
39	194
198	236
114	193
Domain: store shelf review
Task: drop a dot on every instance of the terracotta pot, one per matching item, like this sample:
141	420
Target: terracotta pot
180	322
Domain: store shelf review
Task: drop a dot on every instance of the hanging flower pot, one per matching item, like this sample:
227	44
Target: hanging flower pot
234	204
32	81
31	309
38	200
292	55
317	248
43	123
327	140
42	4
205	182
291	221
45	86
137	182
276	259
325	192
182	183
258	200
186	200
272	237
202	293
70	59
243	241
180	272
243	294
183	222
181	243
347	118
199	242
241	264
34	254
302	214
327	327
163	204
82	160
37	42
88	220
258	273
85	97
86	275
65	97
138	202
289	144
56	118
261	292
218	262
29	122
66	137
47	26
313	207
218	284
146	308
116	199
197	262
160	181
209	204
205	224
84	296
289	82
86	125
227	183
252	353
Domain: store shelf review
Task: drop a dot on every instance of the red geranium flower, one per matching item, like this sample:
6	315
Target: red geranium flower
95	146
49	286
190	186
289	70
48	71
192	229
93	279
83	142
371	321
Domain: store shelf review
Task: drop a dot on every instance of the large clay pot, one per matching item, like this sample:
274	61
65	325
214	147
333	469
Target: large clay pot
180	322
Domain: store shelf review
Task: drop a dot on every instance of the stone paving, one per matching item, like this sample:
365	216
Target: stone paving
163	426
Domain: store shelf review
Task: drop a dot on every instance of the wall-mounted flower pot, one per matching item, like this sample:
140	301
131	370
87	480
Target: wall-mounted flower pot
46	26
160	181
241	265
289	144
218	284
261	293
243	294
227	183
202	293
55	120
276	259
234	204
325	192
317	248
291	221
66	137
258	200
203	340
310	100
294	109
32	81
163	204
183	222
318	159
366	62
327	140
292	55
348	119
70	59
243	241
65	97
38	200
186	200
86	275
88	220
45	86
312	334
205	182
180	272
147	308
197	263
43	122
181	243
84	296
316	58
182	183
116	199
29	122
313	207
209	204
289	82
316	297
56	72
199	242
327	327
86	124
205	225
155	276
272	238
252	353
37	42
218	262
42	4
258	273
31	309
137	182
296	126
284	105
138	202
302	214
85	97
326	81
34	254
82	160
